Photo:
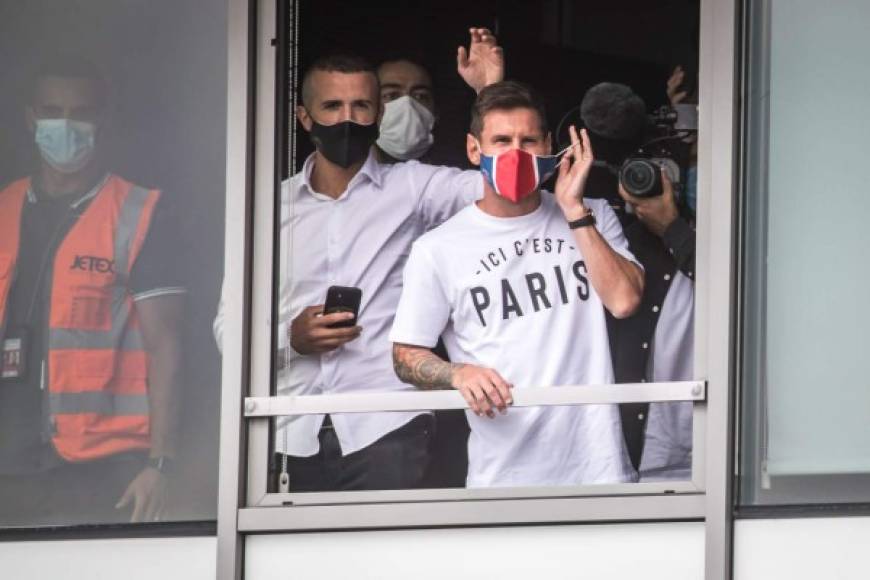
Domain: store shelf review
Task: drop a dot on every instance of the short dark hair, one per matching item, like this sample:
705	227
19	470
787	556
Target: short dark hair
505	96
394	58
411	61
343	63
69	67
614	111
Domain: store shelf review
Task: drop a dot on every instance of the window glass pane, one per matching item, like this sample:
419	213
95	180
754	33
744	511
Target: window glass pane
112	169
807	400
492	286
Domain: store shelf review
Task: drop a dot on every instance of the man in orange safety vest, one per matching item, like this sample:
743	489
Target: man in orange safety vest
89	323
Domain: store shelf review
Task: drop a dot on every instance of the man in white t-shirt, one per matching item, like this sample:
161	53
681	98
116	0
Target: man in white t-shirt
517	284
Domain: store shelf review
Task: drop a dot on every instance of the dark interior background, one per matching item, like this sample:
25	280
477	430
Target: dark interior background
166	63
560	47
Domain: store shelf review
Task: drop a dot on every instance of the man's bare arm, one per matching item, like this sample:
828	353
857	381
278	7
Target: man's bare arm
481	387
617	281
161	321
422	368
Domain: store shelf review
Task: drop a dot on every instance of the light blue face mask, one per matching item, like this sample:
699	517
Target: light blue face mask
64	144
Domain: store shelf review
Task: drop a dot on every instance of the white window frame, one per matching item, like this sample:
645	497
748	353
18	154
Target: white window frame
244	505
268	407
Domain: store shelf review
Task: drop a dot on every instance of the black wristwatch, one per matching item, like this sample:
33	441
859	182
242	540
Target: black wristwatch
162	464
586	220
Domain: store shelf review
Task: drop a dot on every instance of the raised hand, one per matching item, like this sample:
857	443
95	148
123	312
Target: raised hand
483	63
573	172
675	95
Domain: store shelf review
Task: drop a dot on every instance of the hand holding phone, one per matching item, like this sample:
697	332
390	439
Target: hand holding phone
323	328
343	299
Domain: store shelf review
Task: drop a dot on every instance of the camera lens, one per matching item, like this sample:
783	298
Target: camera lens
641	178
638	177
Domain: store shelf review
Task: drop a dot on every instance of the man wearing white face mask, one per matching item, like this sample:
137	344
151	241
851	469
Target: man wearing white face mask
89	315
408	97
521	272
409	111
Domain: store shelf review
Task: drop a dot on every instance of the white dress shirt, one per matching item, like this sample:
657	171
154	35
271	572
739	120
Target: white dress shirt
360	239
667	450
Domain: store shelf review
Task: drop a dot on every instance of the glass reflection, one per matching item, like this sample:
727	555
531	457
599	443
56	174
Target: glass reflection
99	337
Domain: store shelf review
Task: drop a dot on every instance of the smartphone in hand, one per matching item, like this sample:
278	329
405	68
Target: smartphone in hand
343	299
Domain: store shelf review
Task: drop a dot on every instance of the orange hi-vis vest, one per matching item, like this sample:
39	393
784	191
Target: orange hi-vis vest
96	363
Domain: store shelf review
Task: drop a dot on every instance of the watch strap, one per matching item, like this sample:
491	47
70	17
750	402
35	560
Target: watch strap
162	464
586	221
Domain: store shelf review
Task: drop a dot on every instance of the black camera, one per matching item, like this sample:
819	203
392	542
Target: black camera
676	118
641	174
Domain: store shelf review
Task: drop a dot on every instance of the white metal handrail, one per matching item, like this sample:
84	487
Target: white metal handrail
451	399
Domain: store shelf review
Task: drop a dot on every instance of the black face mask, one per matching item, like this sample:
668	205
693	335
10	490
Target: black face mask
344	143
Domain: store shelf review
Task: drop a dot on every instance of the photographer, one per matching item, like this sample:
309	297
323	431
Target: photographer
656	343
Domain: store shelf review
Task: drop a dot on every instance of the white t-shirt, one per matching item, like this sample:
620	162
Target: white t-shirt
512	294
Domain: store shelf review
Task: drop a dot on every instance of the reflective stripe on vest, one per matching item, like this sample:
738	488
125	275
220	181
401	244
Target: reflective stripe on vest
69	339
96	360
99	403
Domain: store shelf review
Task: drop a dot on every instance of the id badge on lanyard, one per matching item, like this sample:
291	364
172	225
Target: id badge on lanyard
14	360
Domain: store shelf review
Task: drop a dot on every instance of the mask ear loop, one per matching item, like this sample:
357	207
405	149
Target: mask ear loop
595	163
562	153
556	167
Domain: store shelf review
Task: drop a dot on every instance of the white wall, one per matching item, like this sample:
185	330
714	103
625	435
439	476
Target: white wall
802	549
129	559
797	549
673	551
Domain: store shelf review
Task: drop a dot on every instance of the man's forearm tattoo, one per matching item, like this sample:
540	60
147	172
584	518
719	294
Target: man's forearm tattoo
422	368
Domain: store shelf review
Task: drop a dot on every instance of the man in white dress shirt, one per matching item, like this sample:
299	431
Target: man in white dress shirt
348	220
517	284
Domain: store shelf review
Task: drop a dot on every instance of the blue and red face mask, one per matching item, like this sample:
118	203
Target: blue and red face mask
516	174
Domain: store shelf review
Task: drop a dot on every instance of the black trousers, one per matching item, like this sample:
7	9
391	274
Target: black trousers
397	460
70	493
449	464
